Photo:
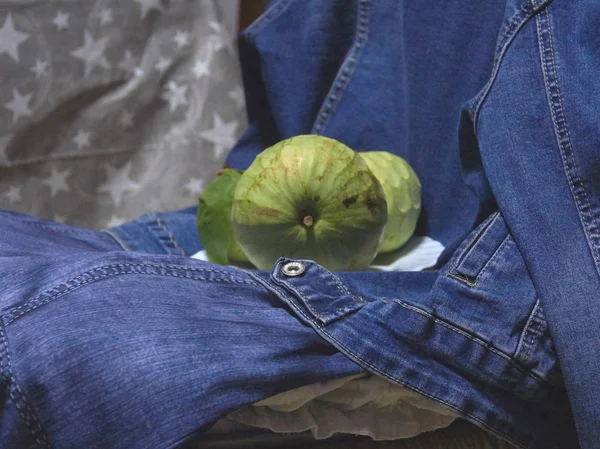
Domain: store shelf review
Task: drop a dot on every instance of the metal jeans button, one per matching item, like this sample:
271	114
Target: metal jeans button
293	269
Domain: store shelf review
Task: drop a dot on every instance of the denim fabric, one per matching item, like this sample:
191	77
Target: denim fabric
117	339
539	138
112	349
491	103
104	346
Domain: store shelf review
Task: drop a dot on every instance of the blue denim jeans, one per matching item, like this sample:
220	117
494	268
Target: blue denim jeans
118	339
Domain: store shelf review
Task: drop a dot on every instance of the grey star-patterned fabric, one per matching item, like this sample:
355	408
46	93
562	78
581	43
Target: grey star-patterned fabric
113	108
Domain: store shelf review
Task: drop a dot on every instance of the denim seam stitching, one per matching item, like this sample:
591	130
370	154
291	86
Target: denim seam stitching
473	241
418	390
346	71
473	338
535	331
25	410
269	16
491	259
116	238
473	283
336	313
119	269
171	238
511	30
561	130
388	376
444	323
523	340
500	49
461	279
341	287
469	247
62	230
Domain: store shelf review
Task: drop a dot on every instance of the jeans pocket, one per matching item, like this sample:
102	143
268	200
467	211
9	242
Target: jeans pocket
488	291
484	246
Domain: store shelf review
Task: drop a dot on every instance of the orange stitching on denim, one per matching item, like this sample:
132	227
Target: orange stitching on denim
460	278
164	227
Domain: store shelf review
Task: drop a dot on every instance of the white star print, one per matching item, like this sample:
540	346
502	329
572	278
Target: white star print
61	20
216	43
126	119
162	64
128	62
39	68
195	186
92	53
59	218
138	71
175	96
10	39
182	39
220	39
222	135
106	16
176	137
19	105
200	68
57	181
237	95
118	182
82	139
115	221
4	141
147	5
14	194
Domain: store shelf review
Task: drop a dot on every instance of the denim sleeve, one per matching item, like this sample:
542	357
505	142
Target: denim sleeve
101	346
539	138
106	348
470	335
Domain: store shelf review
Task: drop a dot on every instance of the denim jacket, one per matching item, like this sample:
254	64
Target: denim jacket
494	103
113	339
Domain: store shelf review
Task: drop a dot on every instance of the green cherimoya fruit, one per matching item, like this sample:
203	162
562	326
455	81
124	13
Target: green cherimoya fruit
309	197
402	193
214	219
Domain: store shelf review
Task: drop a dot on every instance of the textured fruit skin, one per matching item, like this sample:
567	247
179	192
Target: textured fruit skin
214	219
309	176
402	192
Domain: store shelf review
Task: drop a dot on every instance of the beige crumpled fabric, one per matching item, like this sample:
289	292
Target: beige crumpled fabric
360	405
